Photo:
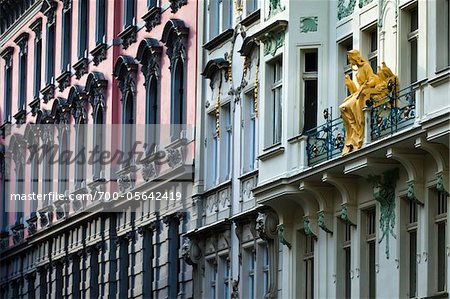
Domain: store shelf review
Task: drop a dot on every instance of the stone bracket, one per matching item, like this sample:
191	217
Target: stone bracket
345	186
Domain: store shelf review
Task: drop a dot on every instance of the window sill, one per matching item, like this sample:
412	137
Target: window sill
20	116
63	80
128	36
152	18
99	53
35	105
441	77
219	40
81	67
48	92
272	151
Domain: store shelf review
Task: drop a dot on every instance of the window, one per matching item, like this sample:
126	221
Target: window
212	271
7	91
224	267
80	153
147	284
373	49
22	41
412	38
100	33
274	106
50	58
94	279
212	149
34	188
5	189
265	251
123	267
128	132
98	141
412	242
83	26
20	186
66	38
441	223
178	113
37	58
48	170
249	267
252	5
152	3
152	113
130	11
249	133
308	261
220	16
225	142
346	246
344	64
63	163
442	34
310	88
370	250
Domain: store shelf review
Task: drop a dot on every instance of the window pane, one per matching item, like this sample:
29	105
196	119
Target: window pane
412	263
414	19
441	258
310	104
373	41
311	61
372	280
413	60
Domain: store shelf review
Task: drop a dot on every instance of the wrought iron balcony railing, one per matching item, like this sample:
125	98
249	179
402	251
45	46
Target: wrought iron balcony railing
392	113
384	117
325	141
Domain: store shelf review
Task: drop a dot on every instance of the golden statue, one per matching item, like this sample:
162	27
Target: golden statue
370	85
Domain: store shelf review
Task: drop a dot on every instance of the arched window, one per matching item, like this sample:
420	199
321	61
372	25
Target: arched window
174	37
149	54
98	142
63	165
125	72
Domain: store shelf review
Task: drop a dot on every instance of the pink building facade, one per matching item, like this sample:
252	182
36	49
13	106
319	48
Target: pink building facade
77	74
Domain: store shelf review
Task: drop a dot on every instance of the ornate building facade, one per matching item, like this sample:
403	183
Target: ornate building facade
283	202
87	75
284	213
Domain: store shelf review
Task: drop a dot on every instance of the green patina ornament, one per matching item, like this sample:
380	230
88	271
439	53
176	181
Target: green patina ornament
363	3
273	41
411	194
309	24
440	184
344	214
345	8
274	8
281	237
384	193
321	222
307	227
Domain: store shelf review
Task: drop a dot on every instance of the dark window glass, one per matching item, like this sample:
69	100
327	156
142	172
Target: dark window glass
310	104
441	262
348	284
50	61
37	66
413	60
178	110
414	19
83	26
22	81
372	278
412	263
101	20
373	41
129	12
67	40
311	61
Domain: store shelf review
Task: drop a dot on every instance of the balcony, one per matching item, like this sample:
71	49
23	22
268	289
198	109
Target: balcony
383	118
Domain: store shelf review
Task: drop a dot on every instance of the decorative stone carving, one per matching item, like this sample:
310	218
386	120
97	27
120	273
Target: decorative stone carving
125	183
174	37
48	92
307	227
384	193
174	157
266	225
125	72
99	53
309	24
4	240
345	215
345	8
152	18
281	237
235	289
322	223
274	8
149	55
128	36
440	184
363	3
49	9
175	5
63	80
148	171
32	224
272	42
17	233
191	252
81	67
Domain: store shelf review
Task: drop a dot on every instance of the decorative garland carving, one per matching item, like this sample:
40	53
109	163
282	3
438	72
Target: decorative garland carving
309	24
345	11
363	3
274	8
440	184
384	193
273	41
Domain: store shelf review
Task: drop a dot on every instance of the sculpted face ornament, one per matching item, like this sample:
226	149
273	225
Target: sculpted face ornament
371	87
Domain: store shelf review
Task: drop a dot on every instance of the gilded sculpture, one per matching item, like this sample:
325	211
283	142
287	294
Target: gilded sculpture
371	86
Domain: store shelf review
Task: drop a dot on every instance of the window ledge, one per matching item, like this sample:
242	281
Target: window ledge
441	77
271	152
48	92
20	116
248	174
251	18
128	36
63	80
35	105
152	18
219	39
81	67
99	53
5	128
